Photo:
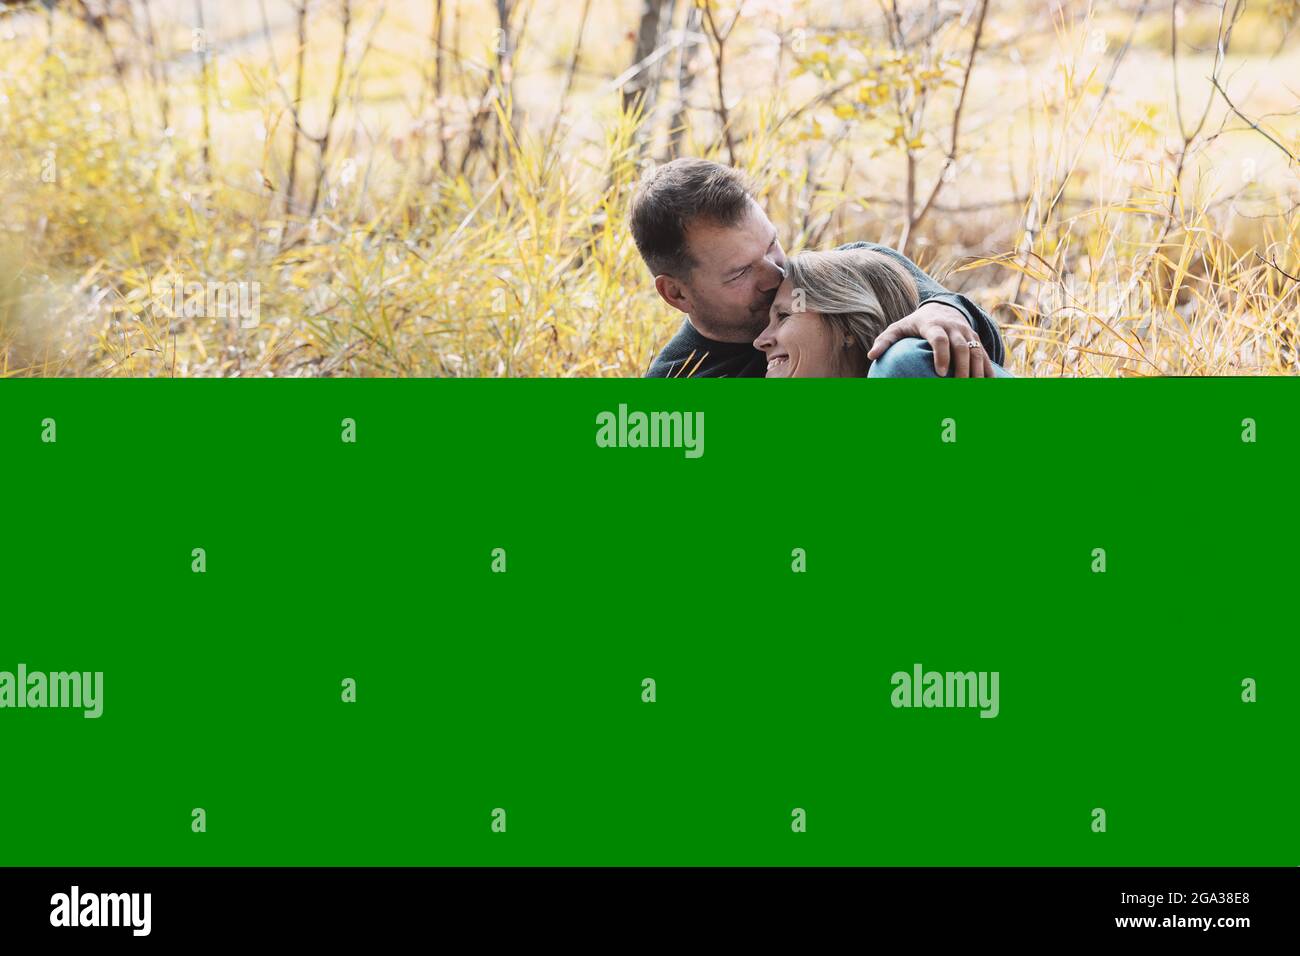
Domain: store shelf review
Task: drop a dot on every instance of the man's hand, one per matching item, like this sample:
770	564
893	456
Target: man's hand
948	332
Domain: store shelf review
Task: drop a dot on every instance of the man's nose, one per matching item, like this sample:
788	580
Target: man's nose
773	275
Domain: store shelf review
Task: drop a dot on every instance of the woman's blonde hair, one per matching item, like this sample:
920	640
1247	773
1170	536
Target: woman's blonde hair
858	291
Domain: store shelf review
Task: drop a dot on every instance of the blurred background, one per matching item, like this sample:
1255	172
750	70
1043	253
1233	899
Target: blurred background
439	187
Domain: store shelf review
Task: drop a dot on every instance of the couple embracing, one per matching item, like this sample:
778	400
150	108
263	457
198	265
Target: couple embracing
860	310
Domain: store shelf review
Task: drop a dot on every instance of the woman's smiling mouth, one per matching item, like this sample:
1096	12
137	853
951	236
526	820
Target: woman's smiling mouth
777	362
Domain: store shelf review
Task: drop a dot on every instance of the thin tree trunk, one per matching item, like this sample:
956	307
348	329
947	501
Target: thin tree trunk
158	67
99	23
49	51
656	18
204	89
295	109
324	141
437	84
685	78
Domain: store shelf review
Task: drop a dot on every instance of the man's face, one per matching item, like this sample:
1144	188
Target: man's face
738	270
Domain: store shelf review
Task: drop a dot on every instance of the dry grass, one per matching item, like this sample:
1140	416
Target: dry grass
1125	204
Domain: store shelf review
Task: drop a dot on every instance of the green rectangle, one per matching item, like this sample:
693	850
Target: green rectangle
477	690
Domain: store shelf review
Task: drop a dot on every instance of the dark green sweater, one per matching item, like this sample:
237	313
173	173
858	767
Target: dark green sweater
741	359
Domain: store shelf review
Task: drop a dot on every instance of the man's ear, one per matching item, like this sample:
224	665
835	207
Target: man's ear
672	292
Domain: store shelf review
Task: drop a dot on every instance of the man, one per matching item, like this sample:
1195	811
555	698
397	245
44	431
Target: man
715	256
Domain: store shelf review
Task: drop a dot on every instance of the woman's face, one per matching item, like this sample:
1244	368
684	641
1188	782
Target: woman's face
798	344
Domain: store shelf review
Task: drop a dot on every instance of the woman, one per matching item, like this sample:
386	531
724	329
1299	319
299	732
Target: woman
829	310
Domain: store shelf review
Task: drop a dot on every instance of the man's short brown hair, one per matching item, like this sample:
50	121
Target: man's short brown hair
674	195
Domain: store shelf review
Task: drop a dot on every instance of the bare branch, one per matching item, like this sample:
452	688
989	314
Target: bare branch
1251	123
956	121
1273	263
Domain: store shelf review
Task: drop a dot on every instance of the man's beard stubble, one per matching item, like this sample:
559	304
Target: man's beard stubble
747	330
